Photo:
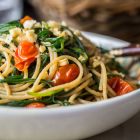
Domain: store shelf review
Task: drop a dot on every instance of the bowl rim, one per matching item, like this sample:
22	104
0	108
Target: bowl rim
95	104
26	111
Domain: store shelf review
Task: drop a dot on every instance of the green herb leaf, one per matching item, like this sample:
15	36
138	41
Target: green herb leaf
44	94
4	28
11	80
43	34
82	56
18	79
76	46
56	42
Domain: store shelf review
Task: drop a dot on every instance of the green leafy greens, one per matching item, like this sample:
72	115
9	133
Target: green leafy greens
43	34
4	28
57	43
72	44
44	94
18	79
76	46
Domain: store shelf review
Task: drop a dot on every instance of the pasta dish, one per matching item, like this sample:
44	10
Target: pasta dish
48	64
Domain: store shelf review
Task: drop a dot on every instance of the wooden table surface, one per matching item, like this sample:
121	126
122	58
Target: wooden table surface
130	130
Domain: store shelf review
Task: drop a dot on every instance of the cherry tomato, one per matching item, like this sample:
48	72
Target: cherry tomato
21	66
26	50
25	19
36	105
66	74
25	54
120	86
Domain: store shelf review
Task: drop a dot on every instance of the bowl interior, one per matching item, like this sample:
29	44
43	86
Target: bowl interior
105	42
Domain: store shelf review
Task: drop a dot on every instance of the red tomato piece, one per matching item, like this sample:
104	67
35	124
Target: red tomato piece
21	66
26	50
120	86
36	105
25	54
66	74
25	19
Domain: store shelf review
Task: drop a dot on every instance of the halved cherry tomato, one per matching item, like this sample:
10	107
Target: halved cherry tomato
25	54
25	19
120	86
66	74
21	66
26	50
36	105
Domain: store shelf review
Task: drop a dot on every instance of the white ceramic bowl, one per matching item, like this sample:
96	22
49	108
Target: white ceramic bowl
69	123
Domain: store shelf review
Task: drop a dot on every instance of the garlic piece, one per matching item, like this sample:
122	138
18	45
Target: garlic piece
30	35
37	25
63	34
63	62
56	31
15	32
53	24
42	48
28	24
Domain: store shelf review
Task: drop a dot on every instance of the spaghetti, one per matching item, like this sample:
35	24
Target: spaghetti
54	65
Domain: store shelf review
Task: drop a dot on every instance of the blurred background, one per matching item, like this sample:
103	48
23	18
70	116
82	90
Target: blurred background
118	18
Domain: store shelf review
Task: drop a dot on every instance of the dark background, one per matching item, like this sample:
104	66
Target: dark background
121	20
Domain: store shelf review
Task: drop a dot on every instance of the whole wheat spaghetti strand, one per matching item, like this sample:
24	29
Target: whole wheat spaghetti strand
85	70
7	88
83	101
83	79
25	73
96	63
109	88
73	97
4	101
53	68
91	91
103	77
5	72
23	93
20	97
2	67
10	71
79	88
104	80
111	92
3	49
